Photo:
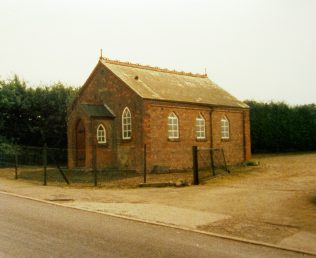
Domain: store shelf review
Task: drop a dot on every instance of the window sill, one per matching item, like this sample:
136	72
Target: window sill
173	139
127	140
201	139
225	139
103	145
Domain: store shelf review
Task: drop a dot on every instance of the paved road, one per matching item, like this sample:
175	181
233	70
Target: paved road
34	229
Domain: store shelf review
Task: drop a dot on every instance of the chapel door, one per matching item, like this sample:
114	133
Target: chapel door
80	145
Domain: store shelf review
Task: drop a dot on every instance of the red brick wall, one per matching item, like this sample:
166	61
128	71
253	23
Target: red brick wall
104	87
163	153
247	135
234	146
104	151
117	96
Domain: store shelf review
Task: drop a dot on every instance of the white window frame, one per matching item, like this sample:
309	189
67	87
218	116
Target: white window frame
126	124
225	128
173	126
101	134
200	127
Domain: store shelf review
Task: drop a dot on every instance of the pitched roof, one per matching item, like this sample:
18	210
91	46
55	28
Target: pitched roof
97	110
163	84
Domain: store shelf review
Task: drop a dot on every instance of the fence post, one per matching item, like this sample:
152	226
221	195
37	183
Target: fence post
45	163
195	165
16	161
94	165
212	161
145	165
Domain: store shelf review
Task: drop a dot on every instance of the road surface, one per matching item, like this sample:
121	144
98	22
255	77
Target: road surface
34	229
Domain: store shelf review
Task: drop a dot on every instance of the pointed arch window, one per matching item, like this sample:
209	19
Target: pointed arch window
224	128
126	124
200	127
101	134
173	126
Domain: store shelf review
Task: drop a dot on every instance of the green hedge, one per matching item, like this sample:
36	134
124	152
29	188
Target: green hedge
33	116
278	127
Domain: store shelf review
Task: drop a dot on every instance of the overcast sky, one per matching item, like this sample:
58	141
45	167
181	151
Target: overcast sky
255	49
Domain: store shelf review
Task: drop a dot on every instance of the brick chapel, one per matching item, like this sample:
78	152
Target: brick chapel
123	106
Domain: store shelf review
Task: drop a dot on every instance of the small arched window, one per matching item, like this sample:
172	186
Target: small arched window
101	134
126	124
173	126
200	127
224	128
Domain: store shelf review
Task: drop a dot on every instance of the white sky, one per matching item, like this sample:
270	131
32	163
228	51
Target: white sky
255	49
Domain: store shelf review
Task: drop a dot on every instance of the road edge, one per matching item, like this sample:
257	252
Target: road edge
243	240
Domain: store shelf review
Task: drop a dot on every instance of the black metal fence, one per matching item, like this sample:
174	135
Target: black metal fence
48	165
45	165
34	163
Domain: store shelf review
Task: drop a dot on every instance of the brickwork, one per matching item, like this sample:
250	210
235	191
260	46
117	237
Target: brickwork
247	137
163	153
104	151
234	146
104	87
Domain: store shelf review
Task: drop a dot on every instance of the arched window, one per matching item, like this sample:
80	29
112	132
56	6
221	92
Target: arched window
200	127
224	128
101	134
173	126
126	124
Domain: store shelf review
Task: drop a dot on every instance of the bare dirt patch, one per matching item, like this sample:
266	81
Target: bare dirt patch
248	229
269	202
